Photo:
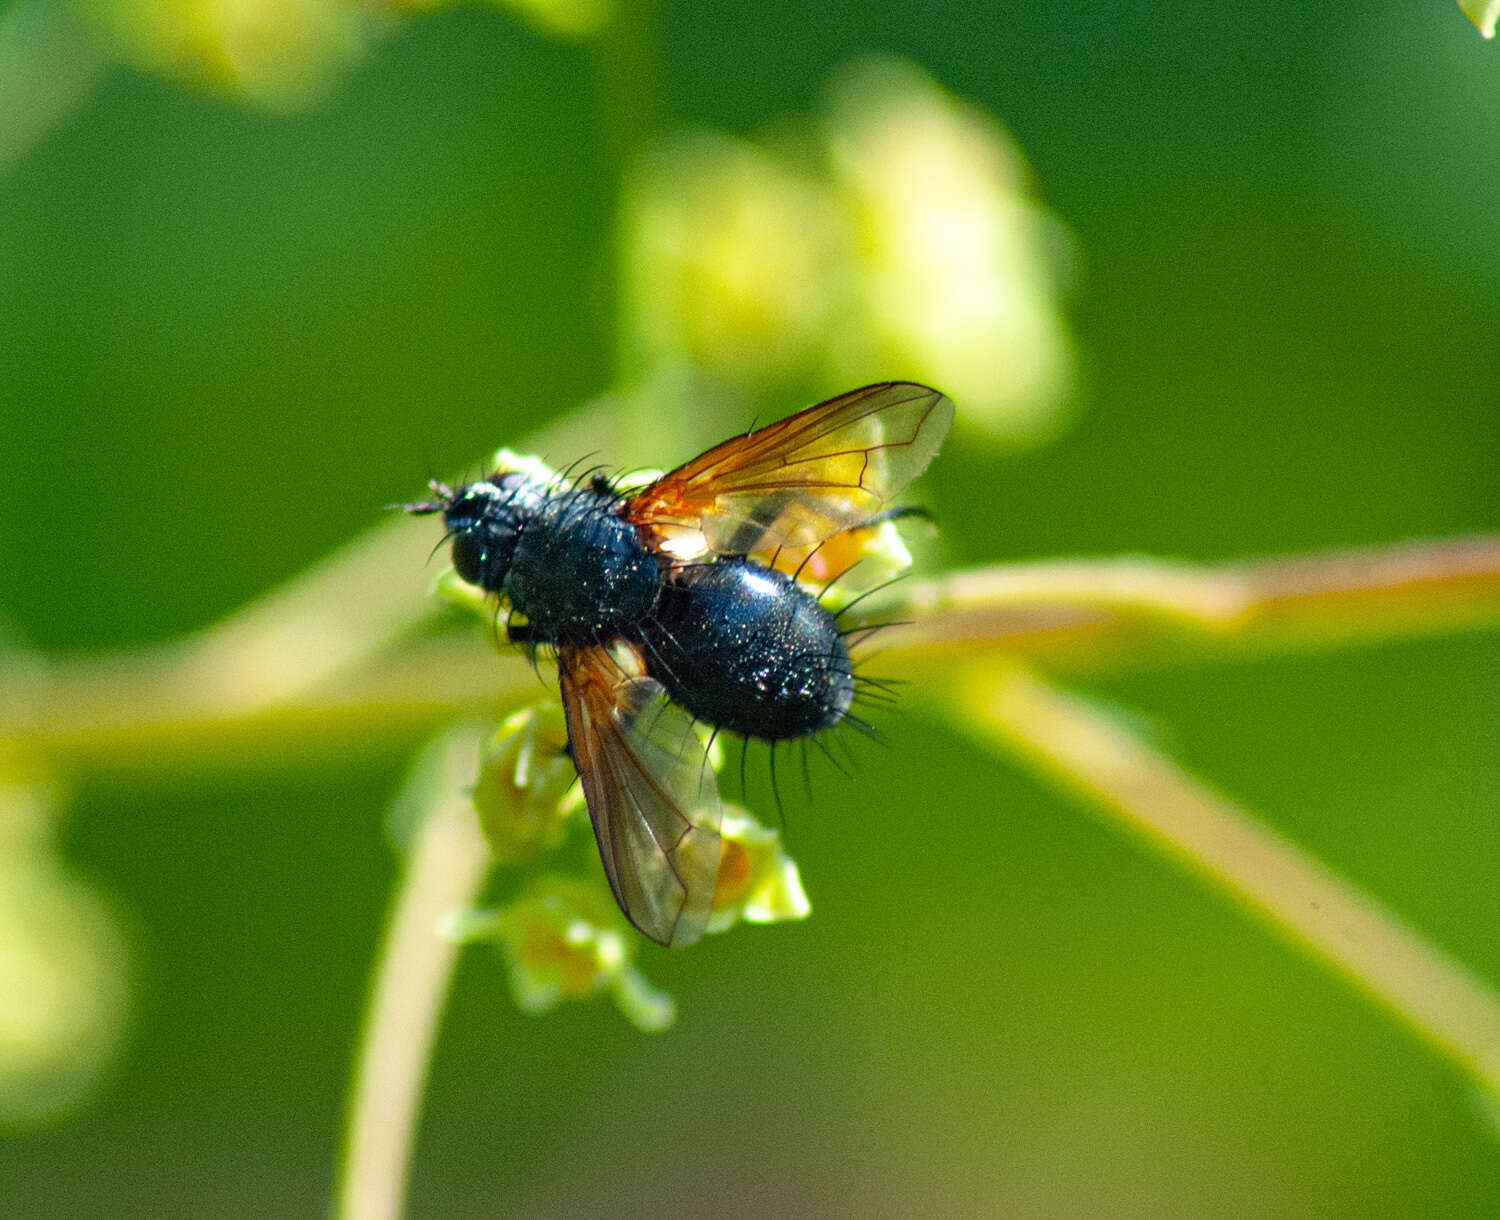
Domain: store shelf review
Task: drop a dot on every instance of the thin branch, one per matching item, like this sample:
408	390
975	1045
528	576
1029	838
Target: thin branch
445	868
1099	615
201	704
1073	743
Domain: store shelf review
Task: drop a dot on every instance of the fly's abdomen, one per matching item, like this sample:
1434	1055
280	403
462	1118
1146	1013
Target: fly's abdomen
747	649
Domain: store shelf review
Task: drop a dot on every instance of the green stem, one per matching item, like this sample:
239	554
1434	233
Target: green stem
299	670
1099	615
445	868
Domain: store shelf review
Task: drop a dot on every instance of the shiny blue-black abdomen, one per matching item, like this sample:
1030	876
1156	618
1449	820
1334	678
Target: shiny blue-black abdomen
747	649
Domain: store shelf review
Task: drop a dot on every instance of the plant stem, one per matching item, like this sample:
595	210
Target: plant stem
1100	615
1072	742
264	688
446	865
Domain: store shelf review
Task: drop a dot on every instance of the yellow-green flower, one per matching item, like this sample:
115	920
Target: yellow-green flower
526	789
897	237
858	559
956	286
758	882
733	258
564	939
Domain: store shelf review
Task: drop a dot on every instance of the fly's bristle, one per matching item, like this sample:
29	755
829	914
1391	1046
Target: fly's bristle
858	636
818	741
775	789
835	580
864	728
807	559
880	588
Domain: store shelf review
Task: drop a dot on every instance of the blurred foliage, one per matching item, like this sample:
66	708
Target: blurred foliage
1483	13
285	53
898	233
233	333
63	965
273	51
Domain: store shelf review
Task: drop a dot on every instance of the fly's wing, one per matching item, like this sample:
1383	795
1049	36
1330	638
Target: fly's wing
652	798
798	482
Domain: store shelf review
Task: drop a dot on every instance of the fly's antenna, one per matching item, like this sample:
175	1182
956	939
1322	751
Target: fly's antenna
444	494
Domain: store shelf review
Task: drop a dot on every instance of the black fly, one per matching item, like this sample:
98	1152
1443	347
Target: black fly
671	605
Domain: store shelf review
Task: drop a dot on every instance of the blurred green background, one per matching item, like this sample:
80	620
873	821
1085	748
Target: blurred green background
230	335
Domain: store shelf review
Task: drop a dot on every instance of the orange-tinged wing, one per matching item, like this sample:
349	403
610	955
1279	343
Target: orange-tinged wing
652	798
800	481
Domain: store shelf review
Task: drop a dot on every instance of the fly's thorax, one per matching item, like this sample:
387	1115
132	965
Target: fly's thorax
579	572
748	649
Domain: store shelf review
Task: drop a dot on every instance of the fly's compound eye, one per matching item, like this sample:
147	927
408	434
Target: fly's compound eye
468	556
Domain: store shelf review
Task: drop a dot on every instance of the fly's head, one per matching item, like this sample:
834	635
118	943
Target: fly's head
484	521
